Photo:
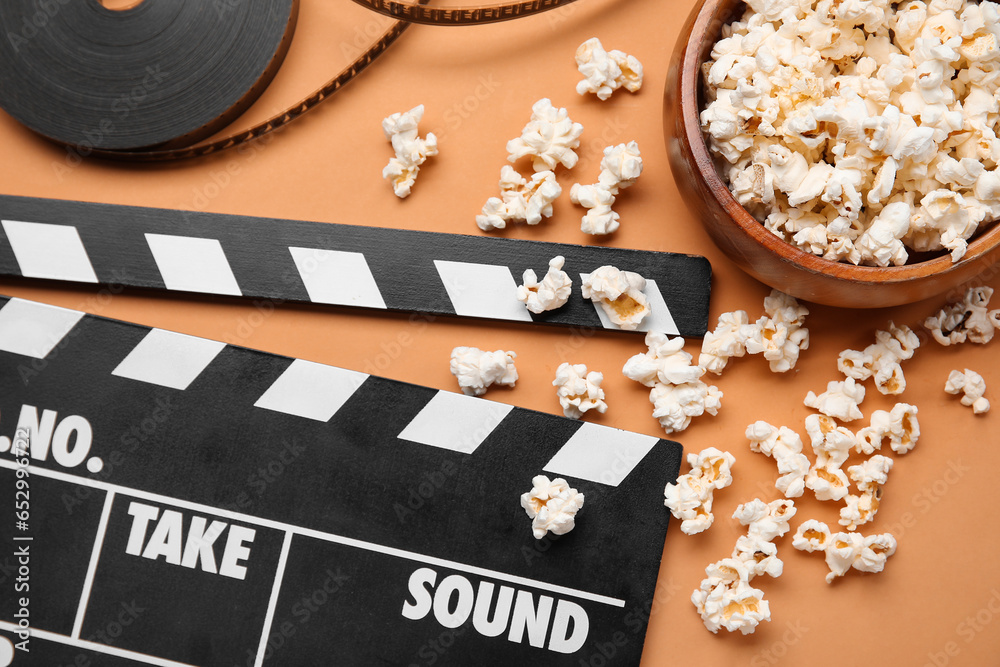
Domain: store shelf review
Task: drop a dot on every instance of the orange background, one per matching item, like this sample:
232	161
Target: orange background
478	85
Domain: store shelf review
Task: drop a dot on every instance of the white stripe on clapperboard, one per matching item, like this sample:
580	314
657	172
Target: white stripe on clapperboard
289	530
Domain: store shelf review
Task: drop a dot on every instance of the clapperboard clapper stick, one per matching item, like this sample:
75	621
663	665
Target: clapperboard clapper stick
196	503
345	265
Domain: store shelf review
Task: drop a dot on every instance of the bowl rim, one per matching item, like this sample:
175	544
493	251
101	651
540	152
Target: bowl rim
710	15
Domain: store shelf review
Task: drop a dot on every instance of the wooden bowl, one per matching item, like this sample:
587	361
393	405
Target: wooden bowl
745	240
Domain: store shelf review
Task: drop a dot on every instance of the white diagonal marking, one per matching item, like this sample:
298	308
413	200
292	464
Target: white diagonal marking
311	390
34	329
601	454
192	264
168	359
455	421
49	251
482	290
338	277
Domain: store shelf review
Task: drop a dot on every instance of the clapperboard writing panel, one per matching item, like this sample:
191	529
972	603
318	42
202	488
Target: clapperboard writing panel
346	265
195	503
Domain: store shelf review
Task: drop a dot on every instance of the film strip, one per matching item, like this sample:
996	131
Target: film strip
195	503
78	101
326	263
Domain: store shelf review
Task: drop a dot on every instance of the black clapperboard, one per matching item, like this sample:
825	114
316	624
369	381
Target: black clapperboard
197	503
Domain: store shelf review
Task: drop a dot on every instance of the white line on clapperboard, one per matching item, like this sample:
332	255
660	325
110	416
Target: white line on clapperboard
287	528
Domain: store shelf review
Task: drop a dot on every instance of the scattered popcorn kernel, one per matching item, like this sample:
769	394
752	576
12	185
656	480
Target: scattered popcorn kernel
551	293
666	362
579	391
840	400
968	319
899	428
549	138
779	335
477	370
520	200
832	445
620	168
620	294
675	405
869	476
785	446
760	556
881	359
765	521
845	550
738	606
972	386
811	536
551	506
411	151
690	497
728	340
606	71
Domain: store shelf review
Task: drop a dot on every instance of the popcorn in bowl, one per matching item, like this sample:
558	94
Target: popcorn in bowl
860	131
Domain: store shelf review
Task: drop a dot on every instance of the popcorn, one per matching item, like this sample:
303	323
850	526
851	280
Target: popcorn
765	521
477	370
675	405
620	294
665	362
785	447
832	445
411	151
860	130
845	550
899	427
869	476
725	598
973	386
690	497
578	390
881	359
840	400
606	71
728	340
549	138
779	334
551	506
620	168
968	319
553	292
520	200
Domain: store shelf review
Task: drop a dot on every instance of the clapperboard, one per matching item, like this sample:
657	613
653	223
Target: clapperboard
333	264
197	503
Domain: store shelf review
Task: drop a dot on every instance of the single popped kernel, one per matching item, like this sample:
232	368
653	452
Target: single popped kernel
549	138
520	200
620	295
972	387
726	341
551	506
551	293
840	400
690	497
785	446
811	536
969	319
477	370
620	168
665	362
411	151
579	391
737	606
606	71
674	405
765	521
832	445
